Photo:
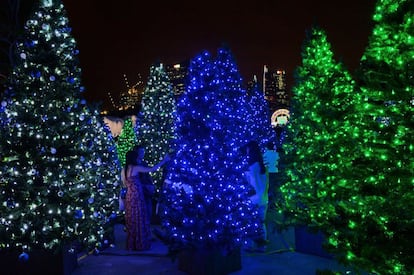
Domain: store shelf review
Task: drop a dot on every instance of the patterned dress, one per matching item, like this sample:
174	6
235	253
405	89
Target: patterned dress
136	221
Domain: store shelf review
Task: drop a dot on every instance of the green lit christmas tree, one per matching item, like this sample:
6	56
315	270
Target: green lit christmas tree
156	122
322	145
382	242
59	169
205	200
126	140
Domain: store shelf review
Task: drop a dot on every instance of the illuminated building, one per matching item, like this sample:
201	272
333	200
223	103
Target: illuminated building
178	76
251	83
274	88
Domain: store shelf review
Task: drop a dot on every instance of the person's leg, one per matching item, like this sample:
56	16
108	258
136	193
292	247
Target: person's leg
262	240
148	203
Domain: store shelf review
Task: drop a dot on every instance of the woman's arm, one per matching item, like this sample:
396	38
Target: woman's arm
146	169
123	177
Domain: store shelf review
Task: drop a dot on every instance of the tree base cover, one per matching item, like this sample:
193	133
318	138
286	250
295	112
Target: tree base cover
310	242
209	261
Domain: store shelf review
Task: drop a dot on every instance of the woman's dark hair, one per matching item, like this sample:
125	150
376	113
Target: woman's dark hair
255	155
270	145
131	159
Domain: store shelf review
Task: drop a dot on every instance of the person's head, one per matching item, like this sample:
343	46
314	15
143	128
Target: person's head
254	154
140	149
131	158
253	151
270	146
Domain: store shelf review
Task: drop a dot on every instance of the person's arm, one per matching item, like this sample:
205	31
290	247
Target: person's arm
146	169
123	177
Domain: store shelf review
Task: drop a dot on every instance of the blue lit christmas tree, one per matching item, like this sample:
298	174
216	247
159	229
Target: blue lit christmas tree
205	199
155	127
58	168
260	117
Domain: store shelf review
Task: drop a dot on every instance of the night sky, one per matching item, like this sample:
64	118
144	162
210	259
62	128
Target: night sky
127	36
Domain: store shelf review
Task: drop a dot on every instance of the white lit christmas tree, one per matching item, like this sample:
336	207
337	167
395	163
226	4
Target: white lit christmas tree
205	200
59	170
155	127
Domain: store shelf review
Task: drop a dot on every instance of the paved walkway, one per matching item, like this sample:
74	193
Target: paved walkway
117	260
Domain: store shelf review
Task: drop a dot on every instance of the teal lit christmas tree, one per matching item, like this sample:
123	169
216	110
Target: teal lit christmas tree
155	127
322	145
260	117
205	198
126	140
58	170
383	240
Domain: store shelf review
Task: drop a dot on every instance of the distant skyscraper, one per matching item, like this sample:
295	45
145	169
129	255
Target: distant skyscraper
274	88
178	76
251	83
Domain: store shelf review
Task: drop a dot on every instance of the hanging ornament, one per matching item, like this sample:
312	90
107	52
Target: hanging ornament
60	193
45	26
47	3
53	150
23	56
32	172
99	162
78	214
10	203
24	257
52	78
70	80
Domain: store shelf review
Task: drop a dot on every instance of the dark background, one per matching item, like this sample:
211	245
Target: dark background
126	36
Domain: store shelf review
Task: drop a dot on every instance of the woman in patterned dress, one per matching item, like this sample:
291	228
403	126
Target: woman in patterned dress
136	221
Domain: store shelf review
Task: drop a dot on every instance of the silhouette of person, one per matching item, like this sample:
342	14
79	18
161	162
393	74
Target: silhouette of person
256	176
271	160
